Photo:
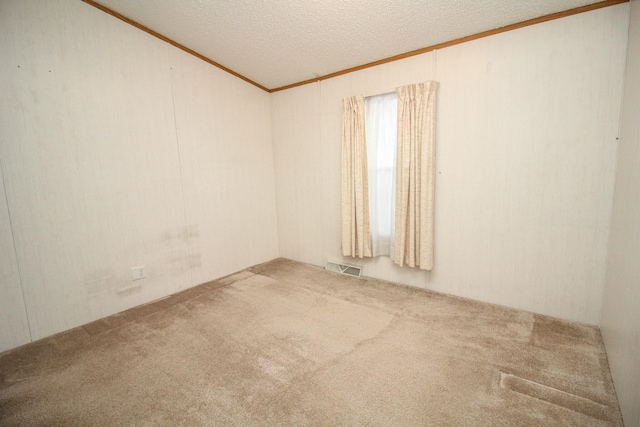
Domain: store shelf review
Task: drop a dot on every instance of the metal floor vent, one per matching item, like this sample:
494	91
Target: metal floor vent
349	270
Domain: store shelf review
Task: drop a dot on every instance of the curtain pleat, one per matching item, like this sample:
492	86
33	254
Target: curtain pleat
415	175
356	234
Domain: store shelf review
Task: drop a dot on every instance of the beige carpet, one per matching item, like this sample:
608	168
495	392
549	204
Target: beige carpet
285	343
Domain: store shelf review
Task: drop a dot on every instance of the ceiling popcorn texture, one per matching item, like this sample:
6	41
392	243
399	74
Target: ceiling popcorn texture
277	43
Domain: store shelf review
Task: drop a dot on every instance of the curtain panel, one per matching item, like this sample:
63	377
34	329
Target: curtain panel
356	234
415	175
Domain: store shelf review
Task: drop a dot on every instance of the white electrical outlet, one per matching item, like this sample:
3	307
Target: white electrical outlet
138	273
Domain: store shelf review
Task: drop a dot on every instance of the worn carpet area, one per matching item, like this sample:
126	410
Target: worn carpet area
289	344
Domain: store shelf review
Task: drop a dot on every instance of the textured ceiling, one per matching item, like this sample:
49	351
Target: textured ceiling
280	42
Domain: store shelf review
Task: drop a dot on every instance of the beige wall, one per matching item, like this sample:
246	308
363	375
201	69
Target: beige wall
118	150
620	323
527	127
14	327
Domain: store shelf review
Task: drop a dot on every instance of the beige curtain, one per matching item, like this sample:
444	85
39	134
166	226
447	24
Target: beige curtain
356	234
415	175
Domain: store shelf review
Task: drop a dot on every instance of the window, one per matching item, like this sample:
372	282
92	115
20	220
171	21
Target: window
374	132
381	124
